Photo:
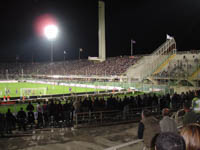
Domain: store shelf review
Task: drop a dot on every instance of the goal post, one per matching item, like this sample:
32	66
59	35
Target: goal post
33	91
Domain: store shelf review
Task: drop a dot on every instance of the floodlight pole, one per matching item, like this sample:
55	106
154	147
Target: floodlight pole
131	48
79	53
65	52
51	51
50	32
80	50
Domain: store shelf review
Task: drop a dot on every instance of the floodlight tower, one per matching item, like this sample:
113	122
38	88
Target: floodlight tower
51	32
102	37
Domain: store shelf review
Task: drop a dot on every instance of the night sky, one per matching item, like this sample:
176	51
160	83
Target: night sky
145	21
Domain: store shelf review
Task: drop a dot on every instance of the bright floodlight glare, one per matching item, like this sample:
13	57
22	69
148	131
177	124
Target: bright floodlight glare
51	31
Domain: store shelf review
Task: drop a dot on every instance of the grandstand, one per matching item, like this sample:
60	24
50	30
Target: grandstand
168	66
165	66
112	66
183	66
147	65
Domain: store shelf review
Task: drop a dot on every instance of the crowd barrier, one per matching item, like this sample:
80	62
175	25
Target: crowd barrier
101	118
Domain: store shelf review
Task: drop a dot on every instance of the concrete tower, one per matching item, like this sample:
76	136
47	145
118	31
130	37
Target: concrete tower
102	36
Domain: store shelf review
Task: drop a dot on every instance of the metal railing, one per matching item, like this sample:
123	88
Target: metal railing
100	118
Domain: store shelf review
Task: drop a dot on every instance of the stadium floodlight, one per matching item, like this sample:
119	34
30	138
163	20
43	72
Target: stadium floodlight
51	32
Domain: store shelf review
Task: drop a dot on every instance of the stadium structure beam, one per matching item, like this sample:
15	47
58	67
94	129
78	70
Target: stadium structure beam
102	37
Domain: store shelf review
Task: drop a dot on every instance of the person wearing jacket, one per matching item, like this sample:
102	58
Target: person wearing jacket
167	124
148	129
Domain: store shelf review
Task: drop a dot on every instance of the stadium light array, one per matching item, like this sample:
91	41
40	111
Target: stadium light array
51	32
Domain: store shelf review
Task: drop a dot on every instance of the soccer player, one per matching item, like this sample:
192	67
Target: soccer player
8	91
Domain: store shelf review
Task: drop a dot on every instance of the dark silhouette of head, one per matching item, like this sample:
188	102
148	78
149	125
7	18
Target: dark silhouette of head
170	141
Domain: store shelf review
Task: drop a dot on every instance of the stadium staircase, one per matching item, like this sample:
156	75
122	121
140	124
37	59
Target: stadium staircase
148	65
160	68
194	74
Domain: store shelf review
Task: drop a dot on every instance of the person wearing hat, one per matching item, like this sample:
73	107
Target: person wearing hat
167	124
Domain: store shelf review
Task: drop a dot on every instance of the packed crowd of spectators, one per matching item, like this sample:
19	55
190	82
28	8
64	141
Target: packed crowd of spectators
183	67
164	134
65	112
112	66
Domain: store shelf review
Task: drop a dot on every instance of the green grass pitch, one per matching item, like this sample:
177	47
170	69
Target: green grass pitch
52	89
14	88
